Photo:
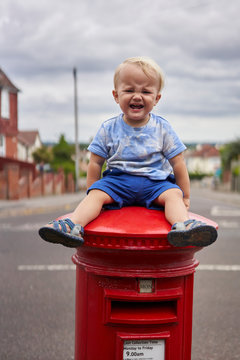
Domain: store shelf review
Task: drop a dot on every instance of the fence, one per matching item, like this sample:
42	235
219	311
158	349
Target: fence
17	182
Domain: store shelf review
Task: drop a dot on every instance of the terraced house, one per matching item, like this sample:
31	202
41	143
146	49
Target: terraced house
8	117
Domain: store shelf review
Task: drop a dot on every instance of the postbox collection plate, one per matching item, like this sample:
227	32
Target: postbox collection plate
146	285
144	350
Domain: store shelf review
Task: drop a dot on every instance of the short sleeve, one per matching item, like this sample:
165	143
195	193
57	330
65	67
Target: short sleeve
98	145
172	145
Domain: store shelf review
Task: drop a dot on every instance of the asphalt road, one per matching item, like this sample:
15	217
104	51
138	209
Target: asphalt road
37	301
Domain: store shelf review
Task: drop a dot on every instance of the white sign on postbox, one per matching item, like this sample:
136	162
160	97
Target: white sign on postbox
144	350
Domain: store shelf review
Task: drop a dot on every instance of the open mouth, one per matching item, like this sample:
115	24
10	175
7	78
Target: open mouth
136	106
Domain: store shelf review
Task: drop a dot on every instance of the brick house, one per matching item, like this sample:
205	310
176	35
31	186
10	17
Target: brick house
19	177
8	117
14	144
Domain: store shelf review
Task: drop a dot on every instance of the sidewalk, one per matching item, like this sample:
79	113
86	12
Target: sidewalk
40	205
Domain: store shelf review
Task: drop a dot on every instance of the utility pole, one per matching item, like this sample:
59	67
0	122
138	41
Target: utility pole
76	129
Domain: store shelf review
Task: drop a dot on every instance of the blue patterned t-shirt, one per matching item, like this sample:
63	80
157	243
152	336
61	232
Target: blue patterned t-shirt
143	151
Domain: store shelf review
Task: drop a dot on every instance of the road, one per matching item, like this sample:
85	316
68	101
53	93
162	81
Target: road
216	320
37	285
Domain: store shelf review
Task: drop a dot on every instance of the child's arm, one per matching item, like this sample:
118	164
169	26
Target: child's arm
181	176
94	169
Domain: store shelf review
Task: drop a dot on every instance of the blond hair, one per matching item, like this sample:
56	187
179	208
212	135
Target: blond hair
146	64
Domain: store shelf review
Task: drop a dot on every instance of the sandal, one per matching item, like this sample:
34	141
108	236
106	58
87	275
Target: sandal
59	234
196	234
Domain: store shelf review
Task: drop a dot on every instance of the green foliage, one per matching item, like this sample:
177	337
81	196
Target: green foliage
198	175
236	171
104	167
42	155
82	174
83	146
62	151
62	156
229	152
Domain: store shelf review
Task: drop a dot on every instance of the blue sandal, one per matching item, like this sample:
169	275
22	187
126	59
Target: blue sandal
58	234
196	234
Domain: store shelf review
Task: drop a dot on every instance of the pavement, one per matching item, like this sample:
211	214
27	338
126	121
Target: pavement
45	204
40	205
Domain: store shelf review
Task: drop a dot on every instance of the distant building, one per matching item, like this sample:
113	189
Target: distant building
8	117
14	144
204	159
28	142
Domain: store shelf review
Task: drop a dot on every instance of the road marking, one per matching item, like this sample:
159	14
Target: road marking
56	267
67	267
219	267
21	227
228	224
223	211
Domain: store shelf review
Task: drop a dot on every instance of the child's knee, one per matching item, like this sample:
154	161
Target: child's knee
173	194
100	195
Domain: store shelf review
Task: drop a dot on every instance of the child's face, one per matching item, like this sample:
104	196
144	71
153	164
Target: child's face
137	94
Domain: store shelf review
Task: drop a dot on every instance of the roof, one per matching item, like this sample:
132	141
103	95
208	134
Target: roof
27	138
205	151
5	82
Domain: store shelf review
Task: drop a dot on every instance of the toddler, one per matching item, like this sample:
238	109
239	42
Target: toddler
145	164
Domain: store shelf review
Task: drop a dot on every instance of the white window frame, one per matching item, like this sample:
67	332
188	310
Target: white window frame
5	104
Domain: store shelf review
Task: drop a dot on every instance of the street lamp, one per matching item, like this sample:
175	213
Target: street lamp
76	129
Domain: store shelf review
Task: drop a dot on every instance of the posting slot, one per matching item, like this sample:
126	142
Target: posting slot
142	312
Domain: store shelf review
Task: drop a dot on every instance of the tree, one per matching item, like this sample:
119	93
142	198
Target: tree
42	155
229	152
62	156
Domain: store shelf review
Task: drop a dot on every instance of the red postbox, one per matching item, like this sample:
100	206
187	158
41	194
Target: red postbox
134	291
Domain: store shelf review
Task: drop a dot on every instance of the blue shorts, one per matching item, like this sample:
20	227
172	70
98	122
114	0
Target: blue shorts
129	190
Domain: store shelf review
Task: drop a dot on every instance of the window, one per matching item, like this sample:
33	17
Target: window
5	103
2	145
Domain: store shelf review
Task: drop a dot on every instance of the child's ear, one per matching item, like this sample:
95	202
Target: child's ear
115	95
158	97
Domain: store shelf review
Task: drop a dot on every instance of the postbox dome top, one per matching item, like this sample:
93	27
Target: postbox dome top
131	226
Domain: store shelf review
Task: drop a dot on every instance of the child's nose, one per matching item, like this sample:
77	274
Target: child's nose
137	96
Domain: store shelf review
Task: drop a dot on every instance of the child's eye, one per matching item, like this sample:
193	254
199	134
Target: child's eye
146	92
128	90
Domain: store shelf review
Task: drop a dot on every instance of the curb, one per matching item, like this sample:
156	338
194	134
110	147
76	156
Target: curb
39	206
31	211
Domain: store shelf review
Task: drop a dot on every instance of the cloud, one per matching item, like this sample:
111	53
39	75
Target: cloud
196	42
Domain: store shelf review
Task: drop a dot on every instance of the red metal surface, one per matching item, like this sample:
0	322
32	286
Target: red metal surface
134	221
122	248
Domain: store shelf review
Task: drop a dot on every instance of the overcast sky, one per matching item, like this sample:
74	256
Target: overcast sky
196	42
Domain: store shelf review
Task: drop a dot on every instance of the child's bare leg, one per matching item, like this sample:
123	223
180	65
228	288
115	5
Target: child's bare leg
90	207
175	209
185	232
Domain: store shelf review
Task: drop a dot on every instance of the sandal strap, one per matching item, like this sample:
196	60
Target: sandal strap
63	226
181	226
69	223
78	229
56	224
194	223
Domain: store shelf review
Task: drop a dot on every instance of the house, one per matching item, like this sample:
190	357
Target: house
14	144
205	159
28	142
19	177
8	117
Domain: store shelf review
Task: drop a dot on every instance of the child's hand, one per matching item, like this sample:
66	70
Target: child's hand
186	202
